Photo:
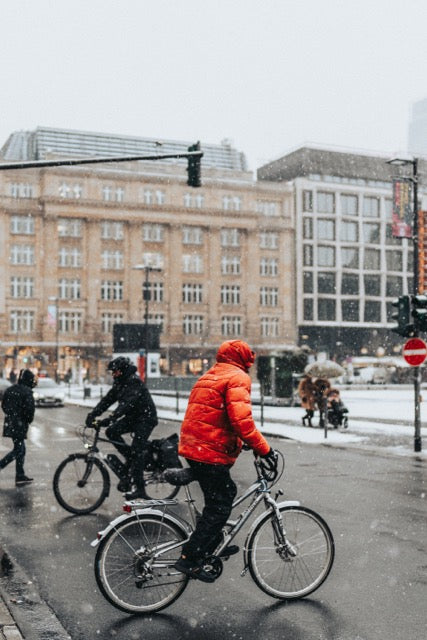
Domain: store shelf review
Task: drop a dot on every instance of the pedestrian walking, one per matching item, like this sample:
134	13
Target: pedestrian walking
18	406
306	391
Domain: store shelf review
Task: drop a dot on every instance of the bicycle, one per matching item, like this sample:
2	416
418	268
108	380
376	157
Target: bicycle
289	549
81	482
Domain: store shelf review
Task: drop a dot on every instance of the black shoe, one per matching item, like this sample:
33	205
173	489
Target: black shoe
193	570
20	480
134	495
231	550
124	485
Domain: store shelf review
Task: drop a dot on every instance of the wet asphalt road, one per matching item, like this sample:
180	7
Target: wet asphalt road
375	505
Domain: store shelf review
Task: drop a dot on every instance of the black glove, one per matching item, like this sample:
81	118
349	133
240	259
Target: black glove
270	460
90	419
104	423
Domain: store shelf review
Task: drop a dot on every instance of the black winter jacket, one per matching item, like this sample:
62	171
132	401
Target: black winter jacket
18	405
135	411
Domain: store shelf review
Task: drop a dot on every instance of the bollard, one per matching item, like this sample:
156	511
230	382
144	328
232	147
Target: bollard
177	402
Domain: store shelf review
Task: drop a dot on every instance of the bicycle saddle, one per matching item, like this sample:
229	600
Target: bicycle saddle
178	477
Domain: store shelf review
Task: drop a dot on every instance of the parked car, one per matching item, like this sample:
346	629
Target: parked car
4	384
48	393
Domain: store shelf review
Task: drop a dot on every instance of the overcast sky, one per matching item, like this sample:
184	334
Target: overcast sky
269	75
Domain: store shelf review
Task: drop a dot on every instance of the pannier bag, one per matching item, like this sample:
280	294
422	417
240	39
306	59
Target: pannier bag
162	454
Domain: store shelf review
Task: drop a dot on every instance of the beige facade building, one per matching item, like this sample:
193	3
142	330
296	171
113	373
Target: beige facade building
71	237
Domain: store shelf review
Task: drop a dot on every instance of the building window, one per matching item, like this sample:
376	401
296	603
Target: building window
307	228
371	233
325	202
349	232
230	265
154	197
231	326
267	208
372	311
308	255
70	321
21	321
350	310
21	190
326	309
307	201
192	293
110	319
269	267
231	203
21	287
269	240
372	260
22	224
70	191
112	230
326	282
69	227
230	238
269	296
154	260
22	254
69	289
372	285
325	256
230	294
308	309
394	286
308	282
349	258
192	263
350	284
112	260
389	238
153	233
70	257
112	290
394	260
113	194
270	327
192	325
349	205
194	201
326	229
371	207
192	235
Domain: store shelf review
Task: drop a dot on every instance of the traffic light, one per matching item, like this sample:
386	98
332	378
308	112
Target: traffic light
193	168
419	312
403	317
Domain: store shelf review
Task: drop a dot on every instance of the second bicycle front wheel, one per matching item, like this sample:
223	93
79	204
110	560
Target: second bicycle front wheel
81	483
295	567
133	564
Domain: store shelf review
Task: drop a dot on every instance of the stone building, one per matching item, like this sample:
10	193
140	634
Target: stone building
71	237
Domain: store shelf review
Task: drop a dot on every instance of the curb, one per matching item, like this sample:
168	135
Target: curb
23	613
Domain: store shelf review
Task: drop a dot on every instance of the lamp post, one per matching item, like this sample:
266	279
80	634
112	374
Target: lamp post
413	162
146	296
55	300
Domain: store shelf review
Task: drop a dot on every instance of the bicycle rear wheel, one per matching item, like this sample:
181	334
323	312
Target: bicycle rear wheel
155	488
81	483
297	568
127	573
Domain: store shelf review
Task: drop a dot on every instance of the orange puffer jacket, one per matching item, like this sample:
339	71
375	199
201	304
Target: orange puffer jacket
219	414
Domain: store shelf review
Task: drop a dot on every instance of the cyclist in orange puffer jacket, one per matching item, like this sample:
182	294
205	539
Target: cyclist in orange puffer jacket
218	421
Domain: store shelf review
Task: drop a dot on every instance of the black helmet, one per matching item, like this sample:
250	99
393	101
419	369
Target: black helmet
27	378
121	363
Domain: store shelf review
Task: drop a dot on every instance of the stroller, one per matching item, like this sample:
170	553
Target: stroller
336	410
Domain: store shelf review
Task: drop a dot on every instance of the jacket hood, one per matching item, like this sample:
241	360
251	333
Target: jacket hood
236	352
27	378
127	372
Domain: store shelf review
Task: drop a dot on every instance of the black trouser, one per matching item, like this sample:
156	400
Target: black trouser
133	453
219	491
18	454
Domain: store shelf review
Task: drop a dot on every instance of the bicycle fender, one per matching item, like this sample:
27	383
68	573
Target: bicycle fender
262	516
179	522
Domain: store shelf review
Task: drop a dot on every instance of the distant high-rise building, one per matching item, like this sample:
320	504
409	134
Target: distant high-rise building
417	133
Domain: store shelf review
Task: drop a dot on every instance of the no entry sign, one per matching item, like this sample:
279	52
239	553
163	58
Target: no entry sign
415	352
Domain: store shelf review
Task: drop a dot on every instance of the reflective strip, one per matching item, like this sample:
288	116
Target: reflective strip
415	352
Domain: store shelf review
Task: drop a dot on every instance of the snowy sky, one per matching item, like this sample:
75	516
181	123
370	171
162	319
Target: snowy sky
269	75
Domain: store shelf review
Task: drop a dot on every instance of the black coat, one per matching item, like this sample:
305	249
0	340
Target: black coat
18	405
136	411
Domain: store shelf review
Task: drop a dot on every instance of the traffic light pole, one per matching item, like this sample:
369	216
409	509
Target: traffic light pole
417	372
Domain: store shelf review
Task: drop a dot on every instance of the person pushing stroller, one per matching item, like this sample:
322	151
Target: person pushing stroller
336	409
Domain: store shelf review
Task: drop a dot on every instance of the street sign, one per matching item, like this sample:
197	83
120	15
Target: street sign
415	352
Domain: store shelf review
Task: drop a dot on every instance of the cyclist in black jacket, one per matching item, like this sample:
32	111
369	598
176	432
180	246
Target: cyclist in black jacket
135	413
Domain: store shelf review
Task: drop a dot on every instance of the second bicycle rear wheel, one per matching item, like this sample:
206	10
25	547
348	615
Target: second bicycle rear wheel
81	483
155	488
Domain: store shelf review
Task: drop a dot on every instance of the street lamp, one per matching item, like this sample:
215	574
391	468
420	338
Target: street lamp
55	300
413	162
146	296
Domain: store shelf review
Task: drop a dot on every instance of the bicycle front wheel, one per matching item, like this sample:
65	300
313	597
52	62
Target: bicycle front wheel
156	488
128	574
296	566
81	483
